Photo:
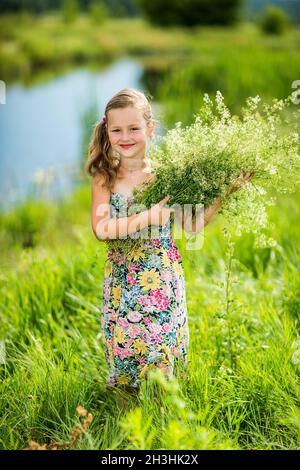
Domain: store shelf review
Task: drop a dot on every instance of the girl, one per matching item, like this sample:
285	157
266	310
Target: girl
144	312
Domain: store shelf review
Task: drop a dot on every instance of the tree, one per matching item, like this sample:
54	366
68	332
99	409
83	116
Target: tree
115	7
98	12
191	12
274	20
70	10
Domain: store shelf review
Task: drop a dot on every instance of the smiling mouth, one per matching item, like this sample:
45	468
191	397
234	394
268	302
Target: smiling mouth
126	146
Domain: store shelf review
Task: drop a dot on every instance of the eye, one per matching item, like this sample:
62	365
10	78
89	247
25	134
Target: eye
134	128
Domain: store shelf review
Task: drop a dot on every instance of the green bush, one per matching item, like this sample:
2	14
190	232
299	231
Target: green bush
274	20
191	12
24	224
98	12
70	10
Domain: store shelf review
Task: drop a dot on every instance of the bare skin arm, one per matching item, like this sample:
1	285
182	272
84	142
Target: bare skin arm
106	227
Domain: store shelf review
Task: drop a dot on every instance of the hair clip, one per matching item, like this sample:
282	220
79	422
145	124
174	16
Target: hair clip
103	120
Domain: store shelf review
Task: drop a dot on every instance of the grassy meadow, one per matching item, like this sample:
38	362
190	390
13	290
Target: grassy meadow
241	388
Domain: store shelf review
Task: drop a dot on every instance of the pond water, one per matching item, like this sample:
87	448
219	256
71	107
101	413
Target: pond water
42	130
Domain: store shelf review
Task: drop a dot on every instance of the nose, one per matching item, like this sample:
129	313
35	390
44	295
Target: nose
124	137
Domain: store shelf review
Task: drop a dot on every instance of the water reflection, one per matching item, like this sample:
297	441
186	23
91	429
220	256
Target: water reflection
41	128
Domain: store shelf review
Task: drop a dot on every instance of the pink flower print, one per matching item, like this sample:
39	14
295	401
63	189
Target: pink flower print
166	290
128	352
105	308
153	301
134	316
155	338
147	304
174	246
106	292
172	254
123	352
154	296
155	243
142	360
167	327
113	315
178	294
123	322
177	312
111	311
131	280
147	320
148	307
133	331
166	275
143	335
163	303
155	328
134	267
157	293
174	351
158	300
141	300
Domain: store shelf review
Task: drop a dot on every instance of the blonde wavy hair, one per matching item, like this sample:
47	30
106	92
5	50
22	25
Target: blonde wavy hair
100	160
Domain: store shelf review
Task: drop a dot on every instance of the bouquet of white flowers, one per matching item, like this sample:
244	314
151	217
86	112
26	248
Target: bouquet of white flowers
197	163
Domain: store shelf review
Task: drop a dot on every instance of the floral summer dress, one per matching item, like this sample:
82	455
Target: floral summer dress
144	313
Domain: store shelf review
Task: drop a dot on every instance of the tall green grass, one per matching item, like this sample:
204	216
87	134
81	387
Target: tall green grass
241	386
248	68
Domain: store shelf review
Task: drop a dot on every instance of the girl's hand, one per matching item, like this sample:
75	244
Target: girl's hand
160	215
239	183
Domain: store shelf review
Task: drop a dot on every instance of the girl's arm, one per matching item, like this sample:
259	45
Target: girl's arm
202	217
106	227
111	228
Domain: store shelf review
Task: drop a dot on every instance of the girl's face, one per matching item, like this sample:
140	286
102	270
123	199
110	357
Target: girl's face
128	131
